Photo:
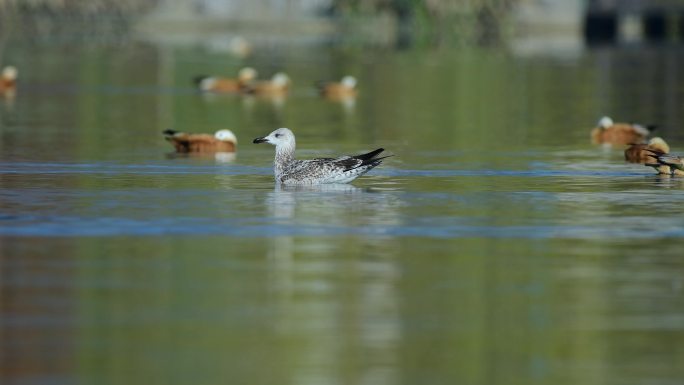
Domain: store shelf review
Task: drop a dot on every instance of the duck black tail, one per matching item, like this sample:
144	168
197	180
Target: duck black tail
198	79
169	132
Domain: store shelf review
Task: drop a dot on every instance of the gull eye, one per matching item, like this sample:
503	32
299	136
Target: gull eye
278	135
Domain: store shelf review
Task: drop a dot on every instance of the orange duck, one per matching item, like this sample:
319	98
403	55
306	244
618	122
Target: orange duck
609	132
344	89
644	153
666	163
8	80
278	85
219	84
221	141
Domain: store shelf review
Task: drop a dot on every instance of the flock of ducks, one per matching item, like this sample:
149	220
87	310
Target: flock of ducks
654	152
246	82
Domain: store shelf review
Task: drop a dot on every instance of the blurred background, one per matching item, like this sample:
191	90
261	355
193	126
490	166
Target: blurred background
497	246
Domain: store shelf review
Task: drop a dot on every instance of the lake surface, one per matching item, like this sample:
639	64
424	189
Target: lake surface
497	245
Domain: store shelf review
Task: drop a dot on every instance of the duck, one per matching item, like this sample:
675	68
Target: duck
240	47
609	132
643	153
672	162
222	141
8	79
345	88
291	171
219	84
278	85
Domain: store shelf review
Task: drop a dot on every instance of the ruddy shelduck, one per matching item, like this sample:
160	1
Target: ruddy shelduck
667	161
240	47
221	141
609	132
345	88
8	79
278	85
644	153
219	84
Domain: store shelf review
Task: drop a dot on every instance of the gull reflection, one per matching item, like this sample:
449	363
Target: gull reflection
324	281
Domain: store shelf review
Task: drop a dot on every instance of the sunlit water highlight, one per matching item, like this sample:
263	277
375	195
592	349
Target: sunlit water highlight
233	200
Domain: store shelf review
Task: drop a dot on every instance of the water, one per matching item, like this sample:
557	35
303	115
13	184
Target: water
497	246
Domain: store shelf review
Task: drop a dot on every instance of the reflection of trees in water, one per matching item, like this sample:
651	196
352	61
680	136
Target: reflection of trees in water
333	298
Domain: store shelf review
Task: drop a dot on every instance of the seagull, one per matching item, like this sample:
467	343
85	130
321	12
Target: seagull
221	141
290	171
609	132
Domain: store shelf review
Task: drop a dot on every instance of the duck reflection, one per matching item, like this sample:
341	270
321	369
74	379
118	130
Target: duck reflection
218	157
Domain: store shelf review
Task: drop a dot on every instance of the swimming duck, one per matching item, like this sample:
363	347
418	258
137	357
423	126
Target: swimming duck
8	79
219	84
240	47
642	153
221	141
279	84
345	88
673	162
609	132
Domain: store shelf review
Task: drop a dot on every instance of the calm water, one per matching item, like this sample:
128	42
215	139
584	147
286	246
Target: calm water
496	247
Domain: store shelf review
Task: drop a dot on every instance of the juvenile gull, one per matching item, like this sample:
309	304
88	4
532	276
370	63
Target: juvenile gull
290	171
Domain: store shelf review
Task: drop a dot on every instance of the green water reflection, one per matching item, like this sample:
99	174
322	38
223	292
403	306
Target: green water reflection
297	310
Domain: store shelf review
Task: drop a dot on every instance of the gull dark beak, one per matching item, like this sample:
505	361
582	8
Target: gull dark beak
260	140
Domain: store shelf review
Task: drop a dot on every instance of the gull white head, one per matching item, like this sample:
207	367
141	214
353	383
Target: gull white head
280	79
226	136
247	74
605	122
349	81
10	73
281	137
